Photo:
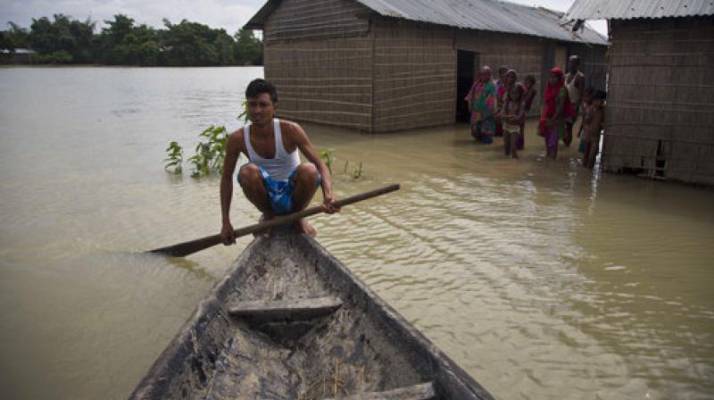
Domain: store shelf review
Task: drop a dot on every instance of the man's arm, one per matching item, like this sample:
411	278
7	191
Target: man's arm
306	147
229	166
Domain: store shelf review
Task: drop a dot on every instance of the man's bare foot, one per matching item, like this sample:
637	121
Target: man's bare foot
303	226
264	218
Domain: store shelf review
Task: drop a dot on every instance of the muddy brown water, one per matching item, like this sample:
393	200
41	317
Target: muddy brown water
538	278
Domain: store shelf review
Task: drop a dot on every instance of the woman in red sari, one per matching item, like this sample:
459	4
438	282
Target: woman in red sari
555	111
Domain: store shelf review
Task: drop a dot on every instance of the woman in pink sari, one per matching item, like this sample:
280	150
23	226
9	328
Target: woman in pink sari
555	111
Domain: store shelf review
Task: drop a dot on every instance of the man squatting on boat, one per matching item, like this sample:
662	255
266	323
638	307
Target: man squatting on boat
273	180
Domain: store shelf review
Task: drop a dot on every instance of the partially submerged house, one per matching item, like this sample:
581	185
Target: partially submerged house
660	106
387	65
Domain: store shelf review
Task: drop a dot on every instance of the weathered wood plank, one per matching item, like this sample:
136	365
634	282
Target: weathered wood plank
281	309
424	391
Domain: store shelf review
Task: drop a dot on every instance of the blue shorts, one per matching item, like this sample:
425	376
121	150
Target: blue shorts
280	193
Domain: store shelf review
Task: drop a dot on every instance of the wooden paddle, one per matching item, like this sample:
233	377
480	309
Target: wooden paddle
186	248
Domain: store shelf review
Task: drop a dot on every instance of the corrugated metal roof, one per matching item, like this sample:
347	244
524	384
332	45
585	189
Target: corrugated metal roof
627	9
484	15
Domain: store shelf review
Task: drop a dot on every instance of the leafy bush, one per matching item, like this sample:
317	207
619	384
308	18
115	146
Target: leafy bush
174	159
208	156
210	151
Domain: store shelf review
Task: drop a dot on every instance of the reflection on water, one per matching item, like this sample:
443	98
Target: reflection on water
540	280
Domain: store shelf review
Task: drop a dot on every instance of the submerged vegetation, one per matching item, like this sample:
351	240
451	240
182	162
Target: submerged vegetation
329	158
208	156
174	158
210	151
64	40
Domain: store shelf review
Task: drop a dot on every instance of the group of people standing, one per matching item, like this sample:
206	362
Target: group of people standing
499	108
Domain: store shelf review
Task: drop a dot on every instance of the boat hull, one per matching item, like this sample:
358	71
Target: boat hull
343	339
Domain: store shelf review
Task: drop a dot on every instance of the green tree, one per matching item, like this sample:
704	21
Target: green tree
14	38
55	40
225	47
190	43
250	48
122	42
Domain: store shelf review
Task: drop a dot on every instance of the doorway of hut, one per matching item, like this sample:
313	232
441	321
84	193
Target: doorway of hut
466	62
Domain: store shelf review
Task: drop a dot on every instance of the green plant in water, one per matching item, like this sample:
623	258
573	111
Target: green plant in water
357	172
174	159
210	151
328	157
217	137
200	161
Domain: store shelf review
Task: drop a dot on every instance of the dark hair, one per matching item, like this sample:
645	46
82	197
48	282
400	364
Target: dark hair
502	69
258	86
600	95
530	78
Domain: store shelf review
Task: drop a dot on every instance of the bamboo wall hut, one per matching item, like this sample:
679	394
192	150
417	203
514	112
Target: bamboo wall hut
387	65
660	107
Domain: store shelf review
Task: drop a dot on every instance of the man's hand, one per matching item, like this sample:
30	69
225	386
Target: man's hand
329	204
227	234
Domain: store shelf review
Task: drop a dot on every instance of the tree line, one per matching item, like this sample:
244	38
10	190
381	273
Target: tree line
64	40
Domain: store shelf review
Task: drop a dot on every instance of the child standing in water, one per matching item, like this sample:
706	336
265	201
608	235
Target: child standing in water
514	117
586	107
500	96
528	98
593	128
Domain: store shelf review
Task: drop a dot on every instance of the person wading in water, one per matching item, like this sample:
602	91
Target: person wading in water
575	83
482	103
555	110
273	180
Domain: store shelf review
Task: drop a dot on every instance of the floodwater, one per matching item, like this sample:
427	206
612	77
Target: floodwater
538	278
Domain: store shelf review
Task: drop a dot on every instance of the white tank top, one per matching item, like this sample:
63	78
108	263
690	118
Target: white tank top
282	164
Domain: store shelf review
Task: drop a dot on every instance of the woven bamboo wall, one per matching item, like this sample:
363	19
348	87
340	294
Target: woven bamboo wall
414	76
313	19
324	72
324	81
660	115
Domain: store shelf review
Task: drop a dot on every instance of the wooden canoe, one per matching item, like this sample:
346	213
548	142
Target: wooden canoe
290	321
